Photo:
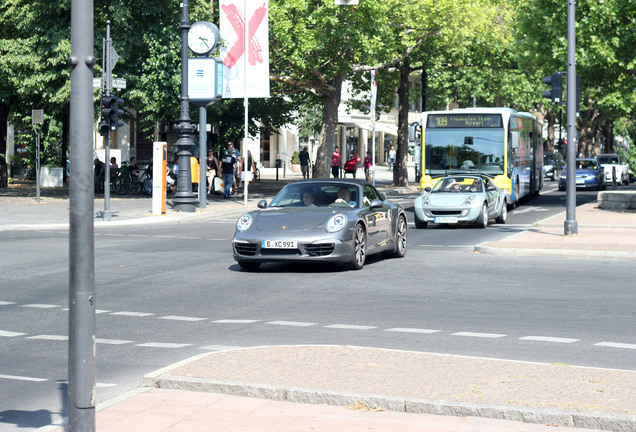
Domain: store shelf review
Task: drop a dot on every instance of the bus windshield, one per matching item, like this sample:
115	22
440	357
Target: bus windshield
465	149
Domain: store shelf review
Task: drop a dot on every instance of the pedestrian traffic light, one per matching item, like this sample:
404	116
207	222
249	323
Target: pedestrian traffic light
556	82
116	112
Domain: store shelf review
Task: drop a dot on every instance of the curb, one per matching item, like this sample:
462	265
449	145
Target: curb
593	420
575	253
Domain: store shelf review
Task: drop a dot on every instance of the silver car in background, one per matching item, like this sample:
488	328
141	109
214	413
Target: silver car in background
470	198
321	220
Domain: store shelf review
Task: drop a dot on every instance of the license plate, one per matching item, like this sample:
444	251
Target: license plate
445	219
580	181
279	244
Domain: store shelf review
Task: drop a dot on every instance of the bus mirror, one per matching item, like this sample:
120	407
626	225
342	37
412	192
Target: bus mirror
468	140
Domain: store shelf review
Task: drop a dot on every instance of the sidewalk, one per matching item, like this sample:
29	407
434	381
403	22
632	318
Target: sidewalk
344	388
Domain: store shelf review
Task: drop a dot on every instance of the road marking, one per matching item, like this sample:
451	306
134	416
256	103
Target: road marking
235	321
112	341
115	235
190	238
219	348
101	311
4	333
616	345
135	314
412	330
549	339
49	337
6	303
39	306
22	378
96	384
138	235
181	318
530	210
349	327
479	335
291	323
162	345
164	236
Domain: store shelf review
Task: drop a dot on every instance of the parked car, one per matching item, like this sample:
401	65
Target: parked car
614	162
321	220
589	175
553	165
461	198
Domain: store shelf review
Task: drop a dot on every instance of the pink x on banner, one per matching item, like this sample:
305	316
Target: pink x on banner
232	28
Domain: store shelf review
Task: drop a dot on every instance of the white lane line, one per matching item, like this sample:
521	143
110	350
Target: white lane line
181	318
5	333
39	306
291	323
412	330
96	384
616	345
133	314
162	345
479	335
350	327
235	321
190	238
49	337
549	339
219	348
112	341
164	236
6	303
138	235
22	378
97	311
115	235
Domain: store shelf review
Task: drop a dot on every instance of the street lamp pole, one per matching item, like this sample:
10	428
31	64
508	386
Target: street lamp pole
570	226
184	199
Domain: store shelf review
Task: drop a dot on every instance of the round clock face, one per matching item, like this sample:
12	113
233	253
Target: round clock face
203	37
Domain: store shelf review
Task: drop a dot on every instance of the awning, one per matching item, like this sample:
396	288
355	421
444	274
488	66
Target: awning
385	128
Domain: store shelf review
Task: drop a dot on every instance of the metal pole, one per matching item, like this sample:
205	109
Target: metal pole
82	365
245	44
37	165
184	199
108	86
203	157
571	225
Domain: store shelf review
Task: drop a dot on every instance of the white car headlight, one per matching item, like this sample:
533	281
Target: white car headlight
244	222
426	200
336	223
469	201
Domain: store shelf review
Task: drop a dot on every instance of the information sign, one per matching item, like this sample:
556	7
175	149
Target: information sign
455	121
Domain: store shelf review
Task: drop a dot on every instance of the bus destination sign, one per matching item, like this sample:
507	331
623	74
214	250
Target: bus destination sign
456	121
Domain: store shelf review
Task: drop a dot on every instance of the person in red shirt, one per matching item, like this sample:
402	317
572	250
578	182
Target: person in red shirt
335	162
368	163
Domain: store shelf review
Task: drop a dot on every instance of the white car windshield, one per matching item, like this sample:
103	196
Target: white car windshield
459	184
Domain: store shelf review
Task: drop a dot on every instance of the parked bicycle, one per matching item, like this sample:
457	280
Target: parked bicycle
124	182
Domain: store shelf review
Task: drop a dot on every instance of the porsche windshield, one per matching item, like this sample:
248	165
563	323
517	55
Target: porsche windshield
315	194
465	149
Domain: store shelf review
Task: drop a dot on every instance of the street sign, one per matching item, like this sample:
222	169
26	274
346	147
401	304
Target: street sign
37	116
119	83
97	82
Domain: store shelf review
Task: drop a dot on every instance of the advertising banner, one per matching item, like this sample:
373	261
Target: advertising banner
235	76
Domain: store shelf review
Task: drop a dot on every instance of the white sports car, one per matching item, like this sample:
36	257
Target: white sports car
471	198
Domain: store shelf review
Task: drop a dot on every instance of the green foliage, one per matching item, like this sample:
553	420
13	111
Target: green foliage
295	159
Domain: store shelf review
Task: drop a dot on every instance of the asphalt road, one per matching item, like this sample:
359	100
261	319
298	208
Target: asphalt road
166	293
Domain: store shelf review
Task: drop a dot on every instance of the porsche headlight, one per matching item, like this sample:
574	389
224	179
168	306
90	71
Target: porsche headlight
244	222
336	223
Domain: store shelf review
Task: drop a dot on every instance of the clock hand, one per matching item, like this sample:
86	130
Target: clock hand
205	41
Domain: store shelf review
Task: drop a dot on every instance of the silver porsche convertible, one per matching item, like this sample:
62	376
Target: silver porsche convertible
321	220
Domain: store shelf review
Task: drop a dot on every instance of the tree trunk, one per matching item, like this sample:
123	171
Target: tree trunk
400	169
331	100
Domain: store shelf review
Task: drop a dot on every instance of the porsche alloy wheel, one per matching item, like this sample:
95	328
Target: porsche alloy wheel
359	248
400	238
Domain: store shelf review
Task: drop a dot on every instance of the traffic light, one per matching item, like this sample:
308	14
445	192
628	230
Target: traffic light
556	93
110	112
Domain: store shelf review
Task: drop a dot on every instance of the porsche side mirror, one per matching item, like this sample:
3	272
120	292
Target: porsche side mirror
261	204
376	203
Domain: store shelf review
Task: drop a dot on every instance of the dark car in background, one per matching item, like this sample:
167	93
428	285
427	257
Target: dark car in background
553	164
589	175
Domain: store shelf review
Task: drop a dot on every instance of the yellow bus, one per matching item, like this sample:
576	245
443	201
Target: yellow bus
502	143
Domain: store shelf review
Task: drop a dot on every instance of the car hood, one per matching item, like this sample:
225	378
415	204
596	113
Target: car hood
448	198
292	218
583	171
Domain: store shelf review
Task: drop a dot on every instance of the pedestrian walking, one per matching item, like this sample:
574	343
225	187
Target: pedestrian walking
335	162
304	162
